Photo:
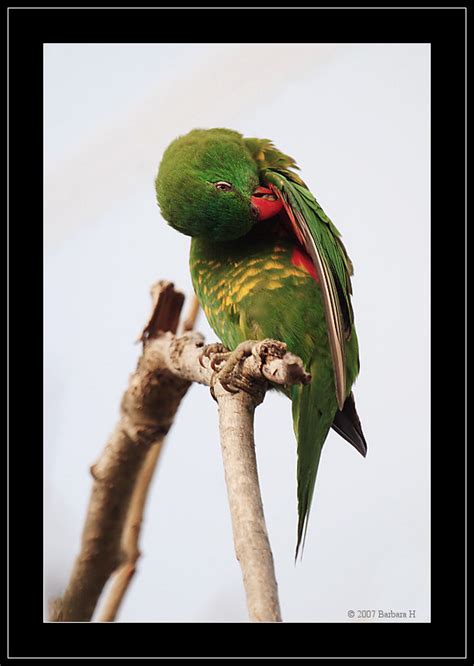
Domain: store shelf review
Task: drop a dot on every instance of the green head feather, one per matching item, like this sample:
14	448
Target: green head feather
192	179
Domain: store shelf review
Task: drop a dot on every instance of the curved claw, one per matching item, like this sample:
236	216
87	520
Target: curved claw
227	387
209	351
219	354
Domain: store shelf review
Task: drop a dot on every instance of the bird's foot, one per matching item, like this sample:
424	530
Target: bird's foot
225	364
213	352
227	375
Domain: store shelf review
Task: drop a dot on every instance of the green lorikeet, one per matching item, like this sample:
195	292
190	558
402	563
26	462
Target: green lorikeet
267	262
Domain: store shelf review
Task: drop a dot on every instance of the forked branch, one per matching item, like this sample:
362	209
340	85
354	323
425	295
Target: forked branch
165	371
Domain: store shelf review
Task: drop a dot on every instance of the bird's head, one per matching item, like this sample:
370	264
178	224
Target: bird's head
208	186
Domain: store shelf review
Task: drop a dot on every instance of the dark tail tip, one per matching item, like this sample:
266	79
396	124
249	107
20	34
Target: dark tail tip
302	530
347	424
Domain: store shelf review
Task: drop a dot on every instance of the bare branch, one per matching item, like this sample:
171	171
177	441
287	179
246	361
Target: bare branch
131	536
131	532
267	361
252	547
146	414
166	309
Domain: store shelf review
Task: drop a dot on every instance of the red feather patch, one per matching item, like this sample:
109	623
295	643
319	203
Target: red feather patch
300	259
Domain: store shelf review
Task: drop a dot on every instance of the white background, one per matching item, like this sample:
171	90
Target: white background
356	118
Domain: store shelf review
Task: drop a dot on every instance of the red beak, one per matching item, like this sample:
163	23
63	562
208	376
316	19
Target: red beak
265	207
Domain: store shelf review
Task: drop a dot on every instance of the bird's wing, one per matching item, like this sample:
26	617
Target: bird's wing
321	240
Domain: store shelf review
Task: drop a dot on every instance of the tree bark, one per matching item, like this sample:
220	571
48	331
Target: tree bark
252	547
131	532
130	539
147	412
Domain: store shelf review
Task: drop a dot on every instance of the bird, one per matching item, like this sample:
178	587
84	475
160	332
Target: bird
267	262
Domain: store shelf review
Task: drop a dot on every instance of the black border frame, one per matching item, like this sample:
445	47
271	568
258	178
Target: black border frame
445	29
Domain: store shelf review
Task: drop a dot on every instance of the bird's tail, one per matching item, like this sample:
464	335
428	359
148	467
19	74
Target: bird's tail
311	426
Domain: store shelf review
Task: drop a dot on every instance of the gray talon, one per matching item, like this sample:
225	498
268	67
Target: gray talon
209	351
218	355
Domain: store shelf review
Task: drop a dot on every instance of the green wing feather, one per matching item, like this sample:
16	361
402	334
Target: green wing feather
313	413
321	240
267	156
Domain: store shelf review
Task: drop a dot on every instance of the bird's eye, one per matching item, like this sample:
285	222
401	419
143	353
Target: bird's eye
222	185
